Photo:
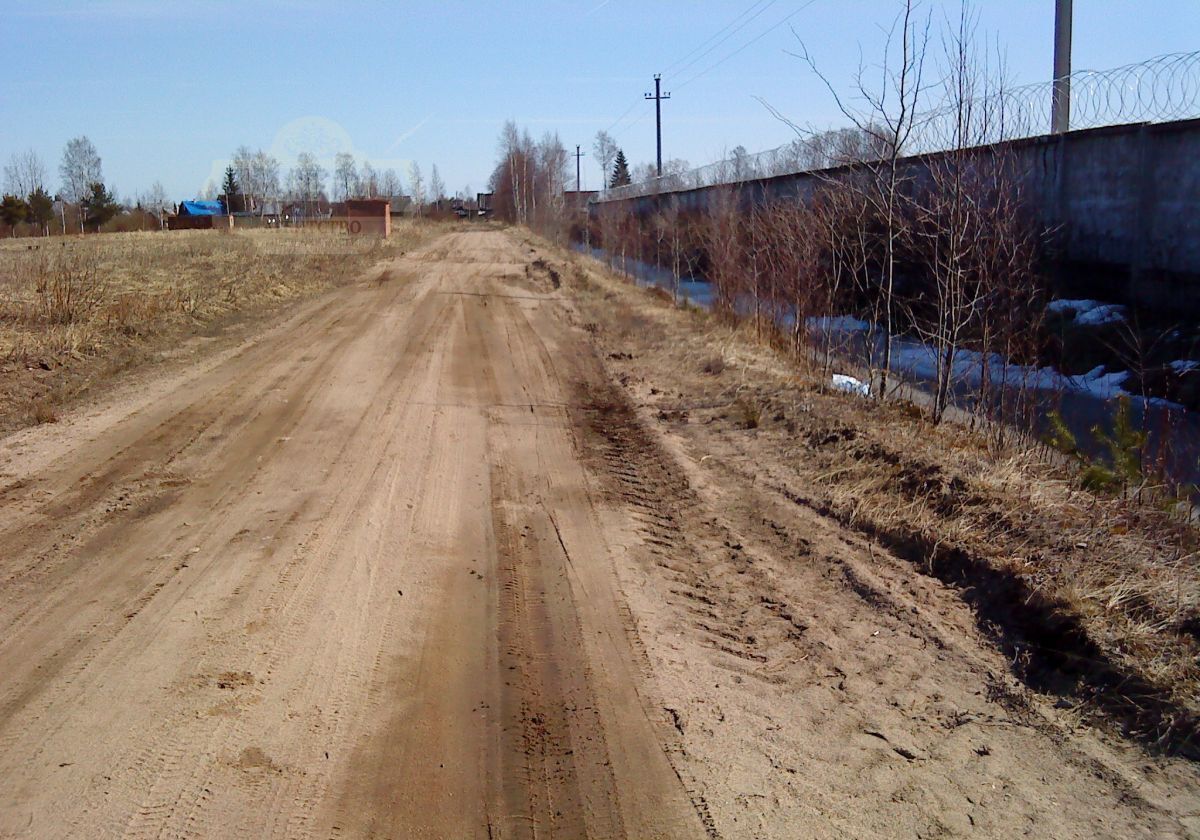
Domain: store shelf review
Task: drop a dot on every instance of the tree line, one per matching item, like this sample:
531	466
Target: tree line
84	201
948	251
254	178
254	181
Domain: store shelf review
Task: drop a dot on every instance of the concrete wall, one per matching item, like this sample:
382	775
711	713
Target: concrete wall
1123	202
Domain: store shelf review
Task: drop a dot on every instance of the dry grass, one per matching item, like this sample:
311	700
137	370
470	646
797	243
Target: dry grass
74	310
1096	599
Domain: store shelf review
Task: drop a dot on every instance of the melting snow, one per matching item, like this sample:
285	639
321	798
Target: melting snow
1091	313
850	385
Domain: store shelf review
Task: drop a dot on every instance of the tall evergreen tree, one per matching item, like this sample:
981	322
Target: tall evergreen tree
41	209
620	173
13	211
99	205
229	189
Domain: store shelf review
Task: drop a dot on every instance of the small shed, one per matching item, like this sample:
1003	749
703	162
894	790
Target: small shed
200	215
201	208
369	215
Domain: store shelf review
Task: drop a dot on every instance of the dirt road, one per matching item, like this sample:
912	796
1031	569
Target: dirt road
407	566
351	581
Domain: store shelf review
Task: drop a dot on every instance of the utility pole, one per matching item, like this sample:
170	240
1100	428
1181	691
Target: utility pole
658	96
578	155
1060	107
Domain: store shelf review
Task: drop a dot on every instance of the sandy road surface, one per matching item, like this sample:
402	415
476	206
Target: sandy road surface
412	563
350	582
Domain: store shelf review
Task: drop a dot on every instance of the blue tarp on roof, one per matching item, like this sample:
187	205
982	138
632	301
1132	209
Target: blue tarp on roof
201	208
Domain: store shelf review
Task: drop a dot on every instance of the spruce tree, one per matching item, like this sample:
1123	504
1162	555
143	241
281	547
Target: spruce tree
620	174
13	211
229	188
41	208
99	206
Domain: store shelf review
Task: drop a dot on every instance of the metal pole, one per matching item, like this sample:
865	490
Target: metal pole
578	155
1060	118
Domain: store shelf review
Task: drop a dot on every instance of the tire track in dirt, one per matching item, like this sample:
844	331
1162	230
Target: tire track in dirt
351	581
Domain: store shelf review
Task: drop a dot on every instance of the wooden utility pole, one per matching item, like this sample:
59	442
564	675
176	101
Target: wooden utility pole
658	96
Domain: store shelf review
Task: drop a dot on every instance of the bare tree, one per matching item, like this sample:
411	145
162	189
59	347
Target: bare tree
345	176
264	178
243	170
551	180
888	119
389	184
368	181
24	174
971	231
416	186
674	174
437	189
155	201
604	147
668	233
79	169
949	214
514	180
722	243
306	182
742	165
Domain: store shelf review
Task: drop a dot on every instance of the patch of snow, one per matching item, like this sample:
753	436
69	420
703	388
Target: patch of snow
1091	313
1102	385
1182	366
850	385
1109	313
838	323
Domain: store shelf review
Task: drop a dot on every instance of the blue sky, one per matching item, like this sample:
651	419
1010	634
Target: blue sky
166	90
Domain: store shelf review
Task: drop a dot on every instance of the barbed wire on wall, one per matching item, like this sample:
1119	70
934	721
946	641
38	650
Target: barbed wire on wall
1162	89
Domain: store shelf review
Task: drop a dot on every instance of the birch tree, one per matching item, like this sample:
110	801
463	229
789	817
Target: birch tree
604	147
416	187
437	189
24	174
889	117
389	184
345	176
368	181
79	169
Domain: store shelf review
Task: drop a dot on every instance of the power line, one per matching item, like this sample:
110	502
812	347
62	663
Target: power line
746	45
754	11
624	114
715	35
743	25
765	4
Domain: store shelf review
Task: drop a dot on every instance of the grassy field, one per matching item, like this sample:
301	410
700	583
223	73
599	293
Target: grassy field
74	311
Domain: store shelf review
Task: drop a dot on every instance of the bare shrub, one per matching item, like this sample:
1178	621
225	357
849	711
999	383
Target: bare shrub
748	412
69	286
42	411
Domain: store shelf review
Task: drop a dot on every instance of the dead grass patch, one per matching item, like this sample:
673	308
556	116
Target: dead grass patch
1092	599
73	310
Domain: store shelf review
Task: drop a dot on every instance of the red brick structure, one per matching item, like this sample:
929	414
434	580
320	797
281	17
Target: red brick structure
369	215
